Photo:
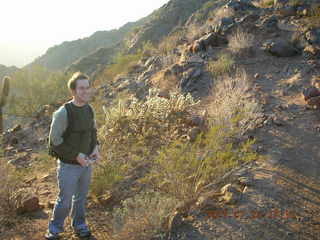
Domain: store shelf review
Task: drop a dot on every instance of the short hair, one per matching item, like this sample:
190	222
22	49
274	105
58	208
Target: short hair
72	83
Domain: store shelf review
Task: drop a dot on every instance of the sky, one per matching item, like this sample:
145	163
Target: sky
29	28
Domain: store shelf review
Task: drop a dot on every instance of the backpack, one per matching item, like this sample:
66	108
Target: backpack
67	132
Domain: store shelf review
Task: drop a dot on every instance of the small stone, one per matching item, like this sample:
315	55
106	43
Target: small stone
257	75
45	177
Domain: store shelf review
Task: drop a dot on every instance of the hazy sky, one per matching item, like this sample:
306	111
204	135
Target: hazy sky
29	28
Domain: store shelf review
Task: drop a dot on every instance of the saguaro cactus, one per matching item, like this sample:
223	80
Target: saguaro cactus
4	93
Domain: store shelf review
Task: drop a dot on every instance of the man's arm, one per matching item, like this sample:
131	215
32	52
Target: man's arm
57	129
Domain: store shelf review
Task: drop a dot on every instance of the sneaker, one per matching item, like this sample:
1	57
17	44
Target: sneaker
83	233
52	236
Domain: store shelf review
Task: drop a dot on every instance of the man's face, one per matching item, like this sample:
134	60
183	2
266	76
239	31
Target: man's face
82	93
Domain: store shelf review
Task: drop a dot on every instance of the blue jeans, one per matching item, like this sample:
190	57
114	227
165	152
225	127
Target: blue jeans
73	183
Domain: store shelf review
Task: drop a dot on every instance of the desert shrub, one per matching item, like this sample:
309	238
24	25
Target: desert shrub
223	65
241	43
202	13
106	174
122	65
34	87
182	168
148	49
141	127
170	42
142	217
231	100
10	179
264	3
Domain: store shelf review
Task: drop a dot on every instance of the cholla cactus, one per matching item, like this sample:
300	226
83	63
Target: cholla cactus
4	93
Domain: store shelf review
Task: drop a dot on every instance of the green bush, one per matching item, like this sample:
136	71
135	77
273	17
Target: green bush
34	87
182	168
122	65
141	128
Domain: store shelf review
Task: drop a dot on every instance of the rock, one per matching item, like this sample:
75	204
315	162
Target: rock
189	80
240	5
207	201
173	222
280	48
311	52
314	101
16	128
231	194
224	25
211	40
20	160
310	92
287	11
193	133
25	201
176	69
302	11
245	181
270	23
257	75
14	141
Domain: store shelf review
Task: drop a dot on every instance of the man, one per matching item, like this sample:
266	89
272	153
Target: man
74	150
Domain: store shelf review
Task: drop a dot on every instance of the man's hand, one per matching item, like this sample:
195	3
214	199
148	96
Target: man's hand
82	159
95	154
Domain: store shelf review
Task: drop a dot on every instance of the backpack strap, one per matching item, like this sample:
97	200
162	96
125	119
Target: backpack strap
91	111
70	119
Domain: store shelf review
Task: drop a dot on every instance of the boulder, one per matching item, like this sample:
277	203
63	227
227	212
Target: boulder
25	201
270	23
231	194
223	25
280	48
314	101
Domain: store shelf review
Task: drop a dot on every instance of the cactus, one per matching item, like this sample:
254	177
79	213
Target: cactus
4	93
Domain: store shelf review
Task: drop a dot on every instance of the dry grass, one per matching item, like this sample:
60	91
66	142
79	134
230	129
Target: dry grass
195	31
9	179
142	217
215	16
172	41
241	43
264	3
231	100
223	65
165	81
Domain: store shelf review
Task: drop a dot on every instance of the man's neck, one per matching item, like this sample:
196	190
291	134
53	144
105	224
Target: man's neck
78	103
